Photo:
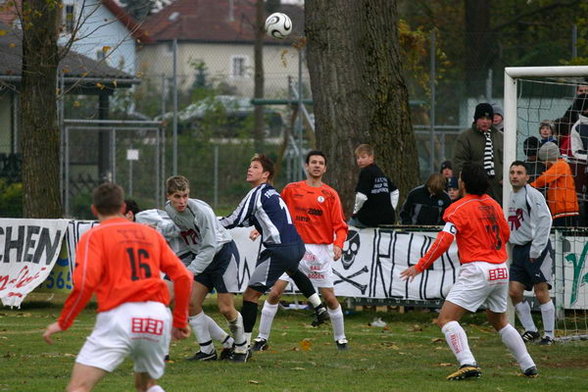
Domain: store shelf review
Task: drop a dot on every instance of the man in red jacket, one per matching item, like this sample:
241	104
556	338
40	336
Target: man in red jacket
121	262
478	224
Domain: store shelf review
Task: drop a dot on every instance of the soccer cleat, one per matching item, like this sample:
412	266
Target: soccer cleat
259	344
241	357
531	372
200	356
167	358
226	353
546	341
321	316
530	336
465	372
342	344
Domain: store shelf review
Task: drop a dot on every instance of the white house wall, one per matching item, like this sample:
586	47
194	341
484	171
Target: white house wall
279	63
102	29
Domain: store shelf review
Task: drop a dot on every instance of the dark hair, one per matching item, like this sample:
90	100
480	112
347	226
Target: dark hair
108	198
531	146
131	205
266	163
475	179
315	152
519	163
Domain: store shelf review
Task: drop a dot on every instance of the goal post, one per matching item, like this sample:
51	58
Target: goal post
524	108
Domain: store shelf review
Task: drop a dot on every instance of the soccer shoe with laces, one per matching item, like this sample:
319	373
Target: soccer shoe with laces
465	372
546	341
530	336
200	356
531	372
342	344
320	317
259	344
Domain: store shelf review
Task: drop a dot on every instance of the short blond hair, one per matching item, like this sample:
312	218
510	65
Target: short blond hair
177	183
364	149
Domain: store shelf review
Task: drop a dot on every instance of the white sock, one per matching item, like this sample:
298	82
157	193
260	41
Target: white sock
199	325
548	316
247	339
217	333
268	312
236	327
314	300
336	316
156	388
514	342
523	310
457	340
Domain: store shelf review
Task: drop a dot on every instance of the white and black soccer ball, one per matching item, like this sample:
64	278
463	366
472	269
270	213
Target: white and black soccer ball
278	25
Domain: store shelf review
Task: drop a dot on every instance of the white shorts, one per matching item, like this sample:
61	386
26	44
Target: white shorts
317	265
139	329
481	283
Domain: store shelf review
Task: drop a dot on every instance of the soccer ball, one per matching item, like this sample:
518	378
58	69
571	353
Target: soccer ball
278	25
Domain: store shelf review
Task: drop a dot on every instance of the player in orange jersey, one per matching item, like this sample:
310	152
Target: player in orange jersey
478	224
318	217
121	262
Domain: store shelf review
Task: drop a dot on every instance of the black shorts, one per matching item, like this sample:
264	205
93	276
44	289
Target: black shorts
527	273
273	262
221	273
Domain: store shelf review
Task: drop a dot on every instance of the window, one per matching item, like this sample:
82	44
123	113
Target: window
69	18
238	66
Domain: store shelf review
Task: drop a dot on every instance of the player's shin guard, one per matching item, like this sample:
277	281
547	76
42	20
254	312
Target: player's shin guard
336	316
548	317
513	341
457	340
249	313
237	329
523	310
217	333
199	325
304	284
268	312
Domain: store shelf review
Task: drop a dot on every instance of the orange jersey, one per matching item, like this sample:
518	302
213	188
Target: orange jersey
481	230
121	261
561	189
317	213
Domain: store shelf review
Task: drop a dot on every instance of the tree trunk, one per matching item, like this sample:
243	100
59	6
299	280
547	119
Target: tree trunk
259	77
40	132
359	91
478	48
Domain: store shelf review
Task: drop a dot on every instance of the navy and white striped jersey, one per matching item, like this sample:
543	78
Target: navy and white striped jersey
264	208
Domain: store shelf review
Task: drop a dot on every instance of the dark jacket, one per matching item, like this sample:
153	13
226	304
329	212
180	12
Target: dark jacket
422	208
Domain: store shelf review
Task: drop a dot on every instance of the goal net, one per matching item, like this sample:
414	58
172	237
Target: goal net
549	97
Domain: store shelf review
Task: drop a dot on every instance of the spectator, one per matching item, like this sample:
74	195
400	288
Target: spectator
498	117
561	190
534	166
446	169
546	132
426	203
571	115
482	144
561	128
453	189
376	196
579	131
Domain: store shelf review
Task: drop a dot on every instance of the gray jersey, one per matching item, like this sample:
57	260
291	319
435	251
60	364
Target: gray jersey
161	221
529	219
201	230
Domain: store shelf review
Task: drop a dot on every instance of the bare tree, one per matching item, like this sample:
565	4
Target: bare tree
38	114
358	90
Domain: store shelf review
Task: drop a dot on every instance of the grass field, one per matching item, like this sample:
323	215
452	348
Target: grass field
409	354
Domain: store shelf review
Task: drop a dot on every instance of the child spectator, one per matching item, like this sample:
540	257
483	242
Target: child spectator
533	165
546	133
498	117
426	203
453	189
446	169
376	196
561	189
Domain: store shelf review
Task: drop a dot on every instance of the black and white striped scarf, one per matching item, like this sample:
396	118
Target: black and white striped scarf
489	155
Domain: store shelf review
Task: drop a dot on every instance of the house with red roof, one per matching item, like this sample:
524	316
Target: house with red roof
215	43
